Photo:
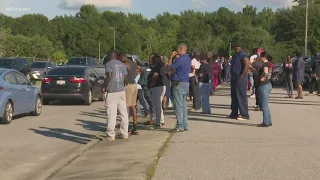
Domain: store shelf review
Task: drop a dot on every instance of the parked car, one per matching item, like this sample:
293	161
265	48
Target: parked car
40	68
72	83
84	61
278	77
20	64
17	96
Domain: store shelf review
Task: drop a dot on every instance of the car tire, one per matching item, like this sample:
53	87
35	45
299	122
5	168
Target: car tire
88	100
8	114
38	107
276	79
45	102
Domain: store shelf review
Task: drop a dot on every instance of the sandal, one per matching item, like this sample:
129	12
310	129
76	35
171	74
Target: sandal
132	132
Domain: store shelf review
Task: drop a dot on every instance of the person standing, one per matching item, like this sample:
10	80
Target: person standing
265	88
205	74
180	85
315	82
143	81
255	66
131	92
194	86
227	69
298	74
215	77
251	79
157	89
114	85
239	80
167	97
141	98
288	69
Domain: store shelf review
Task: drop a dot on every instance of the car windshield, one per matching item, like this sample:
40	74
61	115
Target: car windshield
38	65
77	61
5	63
67	71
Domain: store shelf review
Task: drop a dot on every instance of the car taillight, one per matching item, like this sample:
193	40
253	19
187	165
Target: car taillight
46	80
77	80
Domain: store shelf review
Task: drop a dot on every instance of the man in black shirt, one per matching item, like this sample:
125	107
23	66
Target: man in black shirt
315	82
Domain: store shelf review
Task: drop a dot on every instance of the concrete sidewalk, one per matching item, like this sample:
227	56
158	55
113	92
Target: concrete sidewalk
121	159
216	148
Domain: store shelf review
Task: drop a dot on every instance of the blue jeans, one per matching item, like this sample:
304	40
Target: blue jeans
180	93
205	95
264	92
239	99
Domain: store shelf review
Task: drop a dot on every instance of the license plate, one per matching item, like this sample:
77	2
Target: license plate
61	82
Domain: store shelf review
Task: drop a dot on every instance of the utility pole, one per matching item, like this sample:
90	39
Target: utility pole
306	30
99	51
114	38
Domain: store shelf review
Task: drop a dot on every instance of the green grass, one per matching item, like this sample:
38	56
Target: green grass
152	168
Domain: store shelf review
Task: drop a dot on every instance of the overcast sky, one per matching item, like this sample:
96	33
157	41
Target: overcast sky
149	8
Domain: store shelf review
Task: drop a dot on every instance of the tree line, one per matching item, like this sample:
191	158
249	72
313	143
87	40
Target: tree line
280	32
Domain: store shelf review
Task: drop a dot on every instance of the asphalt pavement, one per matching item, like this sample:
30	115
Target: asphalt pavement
217	148
30	145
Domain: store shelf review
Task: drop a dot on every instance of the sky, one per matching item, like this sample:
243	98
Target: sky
148	8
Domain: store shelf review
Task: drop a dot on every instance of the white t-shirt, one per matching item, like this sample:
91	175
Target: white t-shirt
252	58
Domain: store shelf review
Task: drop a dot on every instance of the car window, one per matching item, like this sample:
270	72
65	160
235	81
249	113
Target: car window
21	79
67	71
49	64
91	73
10	78
18	63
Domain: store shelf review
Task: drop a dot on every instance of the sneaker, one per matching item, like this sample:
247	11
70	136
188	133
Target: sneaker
309	94
176	130
170	105
124	137
242	119
192	110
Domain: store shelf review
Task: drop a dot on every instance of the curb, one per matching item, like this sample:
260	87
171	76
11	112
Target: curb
48	173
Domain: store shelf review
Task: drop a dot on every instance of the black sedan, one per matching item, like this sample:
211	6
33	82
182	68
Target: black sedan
72	83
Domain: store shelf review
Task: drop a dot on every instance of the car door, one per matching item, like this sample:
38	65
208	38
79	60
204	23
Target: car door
16	92
92	79
27	92
98	83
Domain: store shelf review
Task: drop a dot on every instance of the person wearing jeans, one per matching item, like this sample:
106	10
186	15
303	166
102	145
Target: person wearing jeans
180	85
239	82
265	88
204	74
157	90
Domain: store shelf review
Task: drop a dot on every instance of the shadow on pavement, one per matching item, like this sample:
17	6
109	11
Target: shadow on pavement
222	122
91	125
64	134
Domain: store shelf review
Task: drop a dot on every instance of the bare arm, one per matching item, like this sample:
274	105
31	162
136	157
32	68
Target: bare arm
246	67
264	74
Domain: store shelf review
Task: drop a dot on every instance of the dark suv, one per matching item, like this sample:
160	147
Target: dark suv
19	64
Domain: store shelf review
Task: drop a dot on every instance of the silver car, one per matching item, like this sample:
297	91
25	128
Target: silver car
40	68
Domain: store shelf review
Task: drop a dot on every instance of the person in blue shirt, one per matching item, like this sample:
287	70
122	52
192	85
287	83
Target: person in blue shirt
180	85
239	79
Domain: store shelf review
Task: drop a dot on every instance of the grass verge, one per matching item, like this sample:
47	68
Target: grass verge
152	168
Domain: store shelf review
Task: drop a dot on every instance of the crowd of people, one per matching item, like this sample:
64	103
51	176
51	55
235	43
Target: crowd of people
169	82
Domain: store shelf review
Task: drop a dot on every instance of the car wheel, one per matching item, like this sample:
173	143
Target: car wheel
88	101
8	114
275	79
45	102
38	107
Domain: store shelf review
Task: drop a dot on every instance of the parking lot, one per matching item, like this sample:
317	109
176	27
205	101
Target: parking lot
31	144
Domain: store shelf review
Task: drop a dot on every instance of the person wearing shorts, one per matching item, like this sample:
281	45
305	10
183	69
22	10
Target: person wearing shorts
131	92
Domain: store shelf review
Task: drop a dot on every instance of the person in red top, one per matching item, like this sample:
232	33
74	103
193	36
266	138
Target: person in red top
215	77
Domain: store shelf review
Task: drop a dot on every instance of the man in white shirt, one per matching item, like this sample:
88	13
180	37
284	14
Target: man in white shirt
252	59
